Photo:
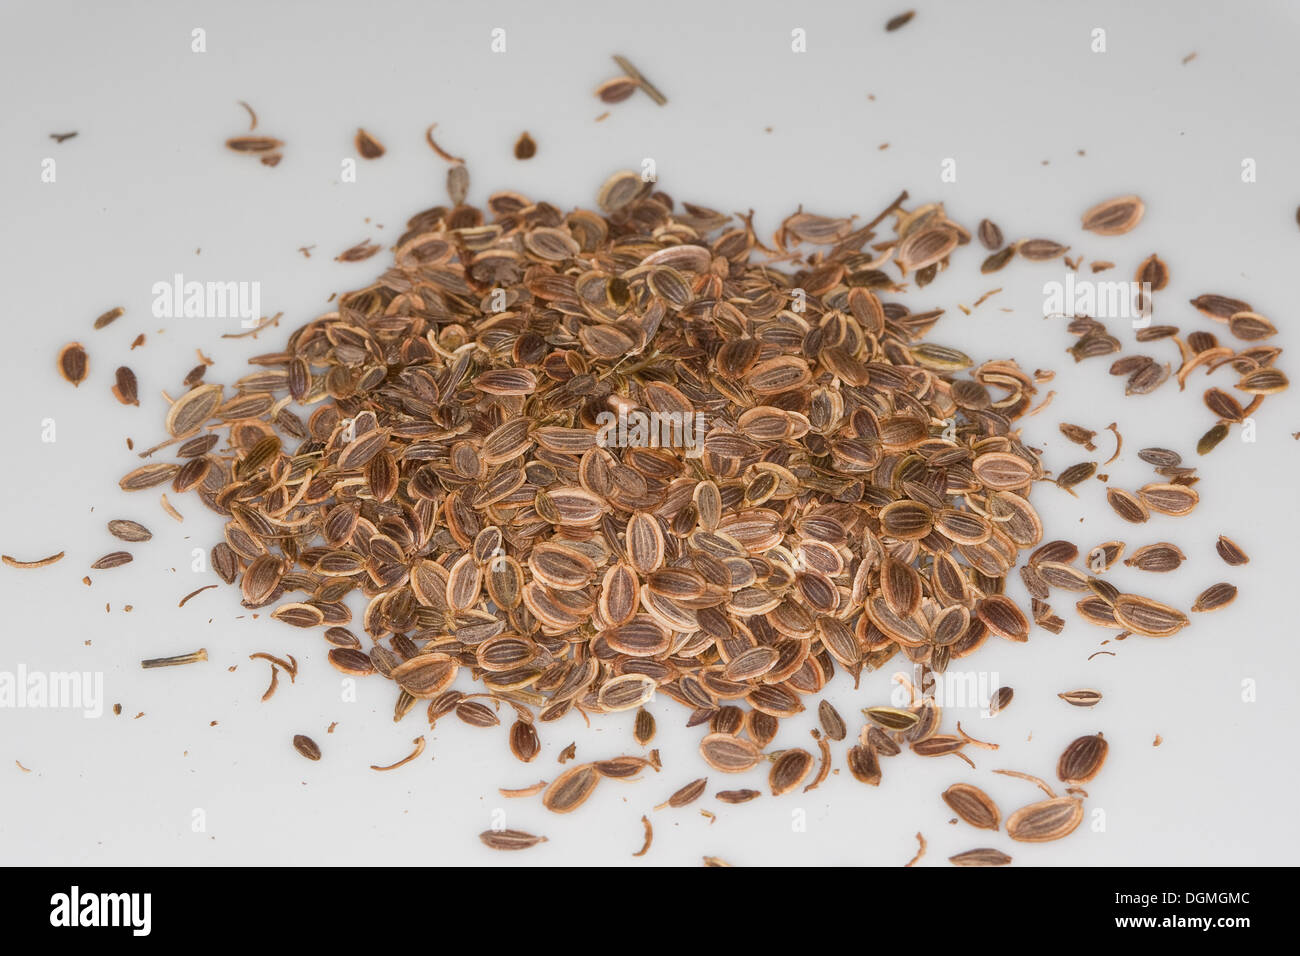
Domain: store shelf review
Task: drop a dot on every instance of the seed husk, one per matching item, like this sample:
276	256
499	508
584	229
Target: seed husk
1215	596
39	563
306	746
973	805
509	839
200	655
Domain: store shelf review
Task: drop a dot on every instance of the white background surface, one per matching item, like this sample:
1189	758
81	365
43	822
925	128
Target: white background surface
146	190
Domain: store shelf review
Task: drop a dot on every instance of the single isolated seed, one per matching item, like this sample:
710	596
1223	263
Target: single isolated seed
306	746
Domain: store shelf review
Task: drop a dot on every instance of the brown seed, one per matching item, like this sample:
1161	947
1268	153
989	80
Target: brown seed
1148	617
737	796
1215	597
193	658
1079	435
125	390
1081	698
367	146
571	789
1114	217
1153	271
1046	820
306	746
1040	250
729	754
253	144
129	530
617	90
999	259
1128	506
689	793
73	363
1000	700
1082	760
980	857
899	21
114	559
509	839
1210	440
109	317
1219	307
644	727
1159	557
990	235
973	805
525	148
1231	552
832	723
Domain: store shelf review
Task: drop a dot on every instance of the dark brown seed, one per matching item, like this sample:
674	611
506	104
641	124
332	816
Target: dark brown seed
1215	597
509	839
125	391
617	90
973	805
1082	760
200	655
737	796
109	317
253	144
1001	699
1210	440
899	21
306	746
367	146
1250	327
73	363
1148	617
1231	552
1154	271
523	741
864	765
832	723
1076	474
644	727
525	148
990	235
1128	506
1219	307
996	261
114	559
789	770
